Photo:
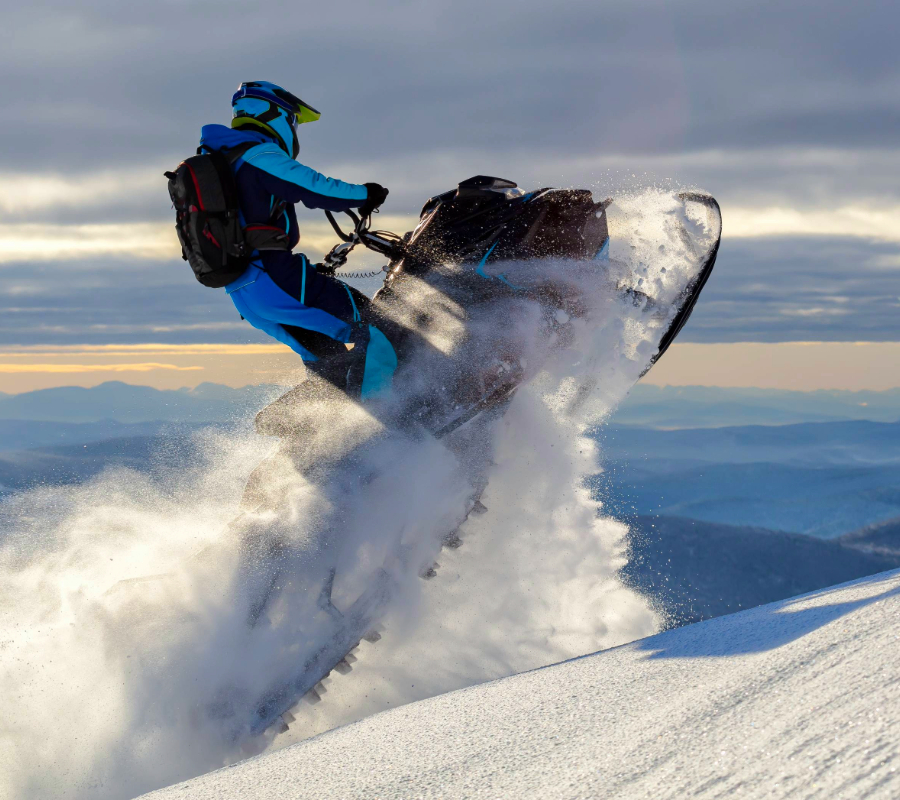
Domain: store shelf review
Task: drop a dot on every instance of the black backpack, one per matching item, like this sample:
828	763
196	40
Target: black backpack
207	220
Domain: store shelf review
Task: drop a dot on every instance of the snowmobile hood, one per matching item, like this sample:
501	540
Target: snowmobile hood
220	137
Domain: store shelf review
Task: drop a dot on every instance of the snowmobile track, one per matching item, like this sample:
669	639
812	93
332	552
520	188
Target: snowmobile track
279	708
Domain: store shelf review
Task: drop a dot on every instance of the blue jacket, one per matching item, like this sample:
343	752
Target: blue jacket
279	288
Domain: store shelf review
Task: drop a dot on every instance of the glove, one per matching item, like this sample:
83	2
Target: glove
377	195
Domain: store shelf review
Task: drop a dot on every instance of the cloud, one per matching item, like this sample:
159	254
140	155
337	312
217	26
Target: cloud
163	365
143	240
817	312
80	368
787	112
798	366
22	195
101	82
799	288
53	242
116	350
779	288
804	180
110	300
839	220
28	367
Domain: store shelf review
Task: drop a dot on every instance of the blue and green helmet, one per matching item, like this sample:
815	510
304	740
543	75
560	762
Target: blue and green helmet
266	106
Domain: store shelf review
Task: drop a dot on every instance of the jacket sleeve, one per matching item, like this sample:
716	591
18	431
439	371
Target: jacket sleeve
290	180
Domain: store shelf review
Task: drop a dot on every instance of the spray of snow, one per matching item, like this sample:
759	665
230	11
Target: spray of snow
112	677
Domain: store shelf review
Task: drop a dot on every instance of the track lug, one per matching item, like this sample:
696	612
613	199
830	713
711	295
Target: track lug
453	541
312	697
343	667
372	637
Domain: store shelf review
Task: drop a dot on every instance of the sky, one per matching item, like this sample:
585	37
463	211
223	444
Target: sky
787	112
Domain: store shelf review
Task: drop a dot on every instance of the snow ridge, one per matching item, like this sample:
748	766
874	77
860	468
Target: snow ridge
794	699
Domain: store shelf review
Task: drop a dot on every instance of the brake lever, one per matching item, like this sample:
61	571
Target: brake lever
337	256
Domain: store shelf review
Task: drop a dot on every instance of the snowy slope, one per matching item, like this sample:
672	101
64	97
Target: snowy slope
794	699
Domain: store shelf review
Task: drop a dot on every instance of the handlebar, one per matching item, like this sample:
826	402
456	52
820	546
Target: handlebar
344	237
383	242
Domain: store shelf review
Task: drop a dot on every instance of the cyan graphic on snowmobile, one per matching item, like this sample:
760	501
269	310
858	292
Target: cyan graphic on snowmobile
491	287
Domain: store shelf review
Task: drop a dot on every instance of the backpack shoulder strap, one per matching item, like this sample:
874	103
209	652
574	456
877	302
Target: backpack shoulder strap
231	154
234	153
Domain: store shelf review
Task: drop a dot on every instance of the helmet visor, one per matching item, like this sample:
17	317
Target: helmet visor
302	112
305	113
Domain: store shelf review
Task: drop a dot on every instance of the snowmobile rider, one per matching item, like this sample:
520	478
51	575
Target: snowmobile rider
282	293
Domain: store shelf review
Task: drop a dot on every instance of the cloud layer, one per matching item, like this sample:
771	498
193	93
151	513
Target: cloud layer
765	290
787	112
122	83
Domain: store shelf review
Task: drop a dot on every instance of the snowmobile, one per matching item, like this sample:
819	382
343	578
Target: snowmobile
482	256
475	245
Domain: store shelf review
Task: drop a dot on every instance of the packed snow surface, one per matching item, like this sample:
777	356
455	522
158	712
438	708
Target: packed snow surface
794	699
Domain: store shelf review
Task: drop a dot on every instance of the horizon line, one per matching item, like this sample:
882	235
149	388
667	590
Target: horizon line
660	387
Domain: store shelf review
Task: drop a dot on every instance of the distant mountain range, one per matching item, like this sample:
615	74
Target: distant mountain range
849	442
124	403
76	463
647	406
23	434
822	479
819	501
696	570
882	538
692	568
713	407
